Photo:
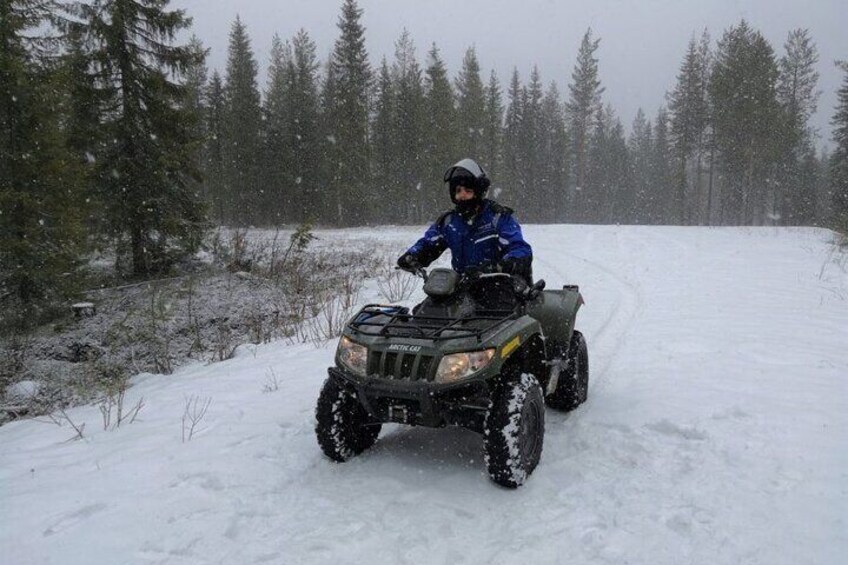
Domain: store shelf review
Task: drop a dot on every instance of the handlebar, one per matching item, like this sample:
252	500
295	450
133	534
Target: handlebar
527	292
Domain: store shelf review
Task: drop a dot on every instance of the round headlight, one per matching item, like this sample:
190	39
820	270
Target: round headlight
458	366
353	356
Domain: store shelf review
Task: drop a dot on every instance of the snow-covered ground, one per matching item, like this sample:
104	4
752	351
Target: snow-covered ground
716	431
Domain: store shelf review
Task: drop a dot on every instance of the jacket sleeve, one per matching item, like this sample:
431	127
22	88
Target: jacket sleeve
430	247
511	241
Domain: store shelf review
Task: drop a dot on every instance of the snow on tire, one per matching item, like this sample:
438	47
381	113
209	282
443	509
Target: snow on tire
341	423
514	431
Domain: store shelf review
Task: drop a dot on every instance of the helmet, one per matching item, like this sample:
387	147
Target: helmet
470	174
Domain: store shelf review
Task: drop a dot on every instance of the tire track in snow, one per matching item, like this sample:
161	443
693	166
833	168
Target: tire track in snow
619	316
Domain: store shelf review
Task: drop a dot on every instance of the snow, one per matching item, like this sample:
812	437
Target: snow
716	431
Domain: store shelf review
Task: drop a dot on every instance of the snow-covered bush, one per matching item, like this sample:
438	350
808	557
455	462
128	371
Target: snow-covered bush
296	290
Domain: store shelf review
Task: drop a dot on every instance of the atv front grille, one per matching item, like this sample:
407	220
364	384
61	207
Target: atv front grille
399	366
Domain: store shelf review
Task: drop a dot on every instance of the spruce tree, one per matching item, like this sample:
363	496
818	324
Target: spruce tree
351	84
839	159
196	83
384	149
535	189
687	106
471	106
441	133
491	156
608	172
514	155
584	101
84	136
146	170
214	148
242	144
329	210
553	156
40	230
304	140
279	202
662	177
798	98
641	149
409	129
746	117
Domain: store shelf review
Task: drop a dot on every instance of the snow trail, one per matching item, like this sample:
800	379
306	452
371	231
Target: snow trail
715	432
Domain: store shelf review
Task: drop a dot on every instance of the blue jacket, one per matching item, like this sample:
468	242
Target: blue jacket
492	236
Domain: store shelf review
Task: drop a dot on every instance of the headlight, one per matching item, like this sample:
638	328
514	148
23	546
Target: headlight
353	356
460	365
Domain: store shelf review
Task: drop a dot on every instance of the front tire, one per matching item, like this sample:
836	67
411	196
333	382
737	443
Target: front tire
343	428
514	431
572	387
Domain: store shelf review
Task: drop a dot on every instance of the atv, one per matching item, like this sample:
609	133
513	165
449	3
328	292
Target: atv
483	351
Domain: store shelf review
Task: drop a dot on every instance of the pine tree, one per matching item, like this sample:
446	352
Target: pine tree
641	149
662	178
441	133
491	157
584	101
329	209
303	115
409	137
798	98
553	156
279	201
196	83
471	106
146	171
534	191
839	159
384	149
351	84
242	131
40	231
514	156
214	148
746	117
608	170
688	112
84	135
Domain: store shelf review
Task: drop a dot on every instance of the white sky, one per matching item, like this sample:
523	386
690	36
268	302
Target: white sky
642	43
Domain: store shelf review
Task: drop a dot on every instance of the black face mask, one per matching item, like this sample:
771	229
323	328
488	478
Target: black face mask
467	208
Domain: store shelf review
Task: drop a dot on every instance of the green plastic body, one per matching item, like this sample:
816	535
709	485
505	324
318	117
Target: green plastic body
400	382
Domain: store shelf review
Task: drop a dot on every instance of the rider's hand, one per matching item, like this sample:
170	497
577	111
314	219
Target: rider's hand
519	285
511	266
408	262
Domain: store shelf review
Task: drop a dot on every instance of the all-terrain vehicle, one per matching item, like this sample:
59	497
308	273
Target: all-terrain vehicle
485	352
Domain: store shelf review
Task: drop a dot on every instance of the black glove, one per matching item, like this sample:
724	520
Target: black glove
408	262
510	266
518	266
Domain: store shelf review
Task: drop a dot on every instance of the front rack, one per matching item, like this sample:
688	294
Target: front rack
402	323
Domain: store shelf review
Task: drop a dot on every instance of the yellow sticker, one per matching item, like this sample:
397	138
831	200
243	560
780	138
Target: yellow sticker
510	347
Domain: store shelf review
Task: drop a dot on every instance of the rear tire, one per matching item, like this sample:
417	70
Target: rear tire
341	423
514	431
573	383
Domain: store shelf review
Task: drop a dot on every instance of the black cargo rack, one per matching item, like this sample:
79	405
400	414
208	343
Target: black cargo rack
402	323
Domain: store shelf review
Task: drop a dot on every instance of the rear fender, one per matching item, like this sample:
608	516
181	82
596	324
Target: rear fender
556	311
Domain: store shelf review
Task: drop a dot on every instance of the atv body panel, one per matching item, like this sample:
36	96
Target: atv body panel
503	345
406	347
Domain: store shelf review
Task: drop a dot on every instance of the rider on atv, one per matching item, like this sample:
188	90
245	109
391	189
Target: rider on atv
482	235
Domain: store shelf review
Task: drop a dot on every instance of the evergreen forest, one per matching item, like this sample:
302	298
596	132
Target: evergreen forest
115	132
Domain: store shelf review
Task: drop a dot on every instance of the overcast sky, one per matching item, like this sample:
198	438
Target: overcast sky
642	43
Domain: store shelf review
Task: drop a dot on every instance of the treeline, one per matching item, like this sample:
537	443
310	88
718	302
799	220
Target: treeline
113	133
347	142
